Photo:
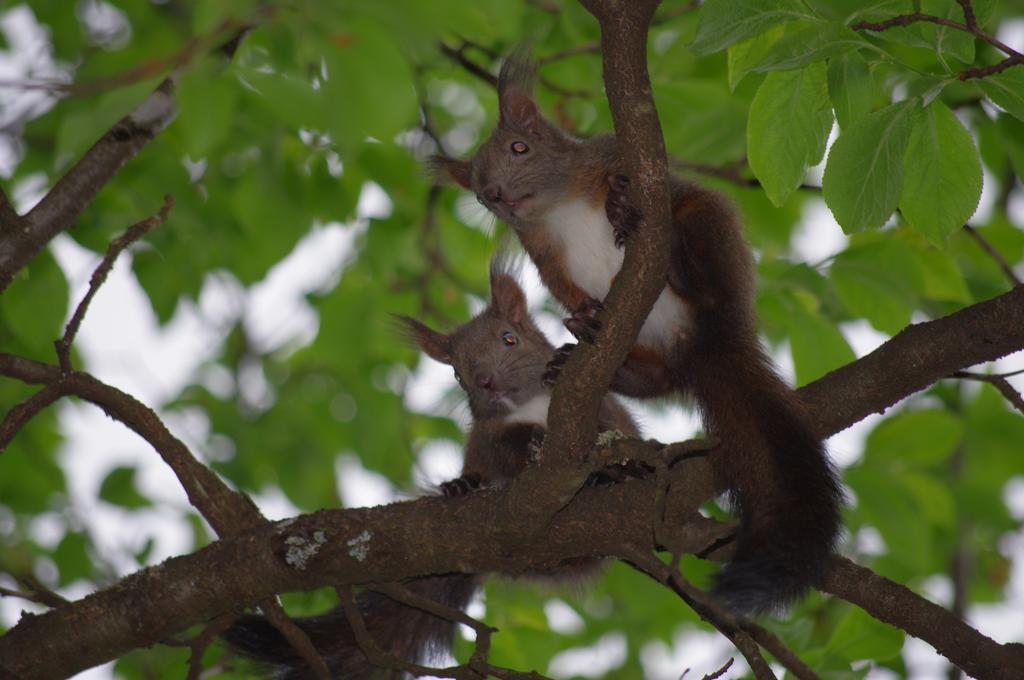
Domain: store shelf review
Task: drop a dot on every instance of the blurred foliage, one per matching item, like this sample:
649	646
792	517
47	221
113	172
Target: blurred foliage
322	99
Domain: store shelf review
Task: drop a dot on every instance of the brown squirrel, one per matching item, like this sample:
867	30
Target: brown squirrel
565	199
499	358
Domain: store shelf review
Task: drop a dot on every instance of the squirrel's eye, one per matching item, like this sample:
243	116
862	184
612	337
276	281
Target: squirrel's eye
509	338
519	148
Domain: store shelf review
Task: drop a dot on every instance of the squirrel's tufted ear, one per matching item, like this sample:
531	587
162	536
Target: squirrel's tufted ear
435	345
507	298
457	170
518	110
515	83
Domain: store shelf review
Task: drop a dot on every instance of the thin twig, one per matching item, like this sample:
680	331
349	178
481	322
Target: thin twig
722	619
116	247
403	595
993	253
372	650
296	637
969	19
720	672
457	54
583	48
783	654
1013	56
18	417
42	594
999	382
200	642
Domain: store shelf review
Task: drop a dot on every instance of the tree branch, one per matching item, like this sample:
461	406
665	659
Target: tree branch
227	511
132	234
998	381
993	253
578	391
9	218
69	196
722	619
914	359
971	26
888	601
62	205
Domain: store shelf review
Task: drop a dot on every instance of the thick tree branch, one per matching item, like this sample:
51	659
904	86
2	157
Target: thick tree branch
887	601
395	542
577	392
9	218
61	206
914	359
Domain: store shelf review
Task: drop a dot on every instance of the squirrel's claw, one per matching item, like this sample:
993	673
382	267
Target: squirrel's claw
583	323
554	367
460	486
622	215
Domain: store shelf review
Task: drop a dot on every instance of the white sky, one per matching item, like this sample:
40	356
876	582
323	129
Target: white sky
122	344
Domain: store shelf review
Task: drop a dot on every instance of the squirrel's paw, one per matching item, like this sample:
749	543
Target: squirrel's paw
619	472
622	215
583	322
554	367
460	486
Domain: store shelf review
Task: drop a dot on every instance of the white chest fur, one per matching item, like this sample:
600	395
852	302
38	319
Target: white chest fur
593	260
534	411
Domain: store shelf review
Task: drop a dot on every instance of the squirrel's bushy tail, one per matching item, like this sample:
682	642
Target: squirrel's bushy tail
399	630
774	467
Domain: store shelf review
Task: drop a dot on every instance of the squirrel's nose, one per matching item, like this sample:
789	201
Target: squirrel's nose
492	194
485	381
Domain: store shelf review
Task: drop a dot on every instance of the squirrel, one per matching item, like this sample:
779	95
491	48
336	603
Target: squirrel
499	358
565	199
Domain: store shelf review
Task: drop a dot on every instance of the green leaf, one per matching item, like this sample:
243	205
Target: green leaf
358	105
743	56
925	437
877	281
1006	89
808	43
884	501
932	496
288	97
942	277
859	636
851	87
72	558
864	172
787	129
207	107
34	305
724	22
1011	134
119	488
817	345
942	174
708	121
